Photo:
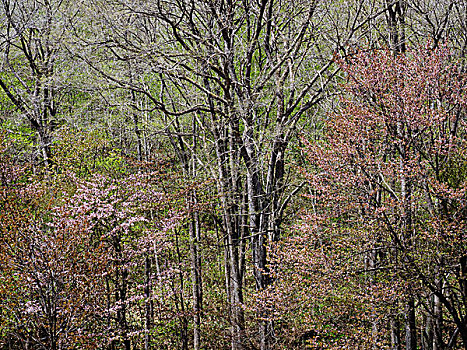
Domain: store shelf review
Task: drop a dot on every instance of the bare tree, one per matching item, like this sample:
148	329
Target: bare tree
242	74
31	47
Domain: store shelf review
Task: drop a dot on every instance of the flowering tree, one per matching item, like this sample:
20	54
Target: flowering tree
385	244
129	218
47	291
86	263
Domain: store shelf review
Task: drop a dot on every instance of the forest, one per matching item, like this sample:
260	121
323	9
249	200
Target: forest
233	174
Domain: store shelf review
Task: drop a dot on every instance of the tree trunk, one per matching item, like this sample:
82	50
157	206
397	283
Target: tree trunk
410	326
147	294
438	315
194	229
395	333
437	324
396	22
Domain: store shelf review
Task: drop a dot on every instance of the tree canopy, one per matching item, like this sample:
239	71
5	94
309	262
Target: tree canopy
233	174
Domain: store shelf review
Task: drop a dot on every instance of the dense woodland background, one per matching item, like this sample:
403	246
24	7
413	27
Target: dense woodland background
244	174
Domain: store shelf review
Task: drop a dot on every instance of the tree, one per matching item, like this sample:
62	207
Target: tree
89	261
32	50
130	219
48	293
230	81
388	187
